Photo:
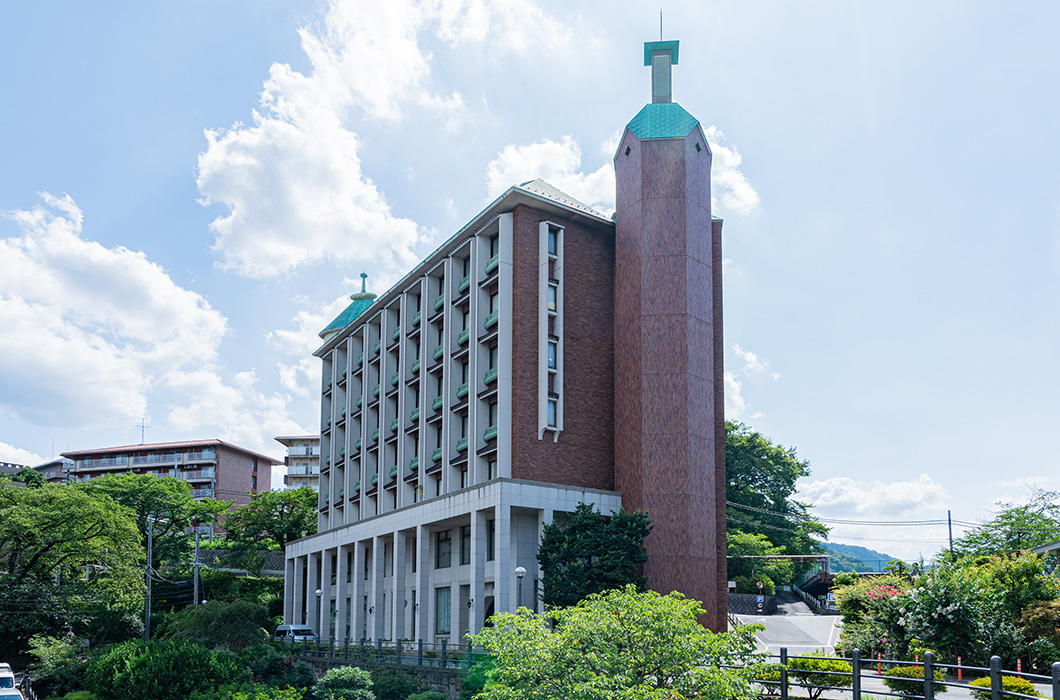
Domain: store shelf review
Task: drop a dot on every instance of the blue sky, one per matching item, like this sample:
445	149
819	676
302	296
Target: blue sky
189	191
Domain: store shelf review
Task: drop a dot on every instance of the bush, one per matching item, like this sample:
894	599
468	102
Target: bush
819	671
894	679
391	684
80	695
221	625
768	676
58	668
277	667
475	681
344	683
160	670
427	695
1013	684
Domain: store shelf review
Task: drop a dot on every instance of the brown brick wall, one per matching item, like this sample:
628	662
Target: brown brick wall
584	454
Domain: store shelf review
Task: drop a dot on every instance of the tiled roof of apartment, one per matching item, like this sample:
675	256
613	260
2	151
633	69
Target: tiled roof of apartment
543	189
663	120
168	446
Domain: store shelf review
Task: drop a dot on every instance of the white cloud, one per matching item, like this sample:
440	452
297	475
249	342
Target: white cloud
16	455
302	377
754	364
735	404
88	328
842	496
558	163
730	188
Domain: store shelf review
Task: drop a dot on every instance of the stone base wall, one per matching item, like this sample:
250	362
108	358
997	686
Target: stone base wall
747	604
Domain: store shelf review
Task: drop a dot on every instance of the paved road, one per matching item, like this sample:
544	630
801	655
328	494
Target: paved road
795	627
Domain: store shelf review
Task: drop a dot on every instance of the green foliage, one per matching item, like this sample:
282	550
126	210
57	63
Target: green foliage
593	553
221	625
619	645
475	681
742	544
845	579
266	692
749	584
344	683
427	695
1042	621
761	475
768	678
57	669
909	680
276	667
866	597
1015	527
1013	684
30	477
80	695
392	684
817	672
160	670
277	517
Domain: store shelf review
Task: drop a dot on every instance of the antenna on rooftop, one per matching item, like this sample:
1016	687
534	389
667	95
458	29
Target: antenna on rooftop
660	24
143	426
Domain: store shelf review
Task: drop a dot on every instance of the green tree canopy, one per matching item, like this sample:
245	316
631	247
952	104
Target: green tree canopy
1015	527
746	571
760	482
592	553
619	645
277	517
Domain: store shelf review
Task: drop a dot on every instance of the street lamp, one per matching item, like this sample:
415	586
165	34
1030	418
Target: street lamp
519	573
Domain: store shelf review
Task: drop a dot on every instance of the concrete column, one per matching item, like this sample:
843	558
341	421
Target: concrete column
328	592
476	615
342	592
377	615
298	609
504	572
454	613
398	593
424	594
288	591
312	603
357	601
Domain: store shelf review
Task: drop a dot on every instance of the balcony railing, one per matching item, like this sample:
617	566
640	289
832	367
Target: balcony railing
491	320
157	458
461	445
490	434
104	462
200	474
490	376
303	471
492	264
439	302
202	493
464	284
464	336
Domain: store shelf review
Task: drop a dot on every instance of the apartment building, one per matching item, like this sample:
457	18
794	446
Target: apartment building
302	461
544	356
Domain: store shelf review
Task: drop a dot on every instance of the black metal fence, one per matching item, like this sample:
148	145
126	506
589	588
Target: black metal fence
405	652
868	669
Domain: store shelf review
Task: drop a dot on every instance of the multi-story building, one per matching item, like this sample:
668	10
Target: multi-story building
212	468
55	471
544	356
302	461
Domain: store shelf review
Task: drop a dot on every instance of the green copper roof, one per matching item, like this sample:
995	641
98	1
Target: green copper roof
650	46
663	120
361	302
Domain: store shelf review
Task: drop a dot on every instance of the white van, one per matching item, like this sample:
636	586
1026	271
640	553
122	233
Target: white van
8	691
294	633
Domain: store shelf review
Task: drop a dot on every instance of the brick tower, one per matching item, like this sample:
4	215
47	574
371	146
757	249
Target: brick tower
669	401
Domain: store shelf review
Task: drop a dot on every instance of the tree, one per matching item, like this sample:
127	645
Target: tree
344	683
747	572
167	501
593	553
1015	527
760	481
278	517
619	645
220	625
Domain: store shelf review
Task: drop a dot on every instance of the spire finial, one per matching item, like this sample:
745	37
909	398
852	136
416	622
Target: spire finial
661	56
364	282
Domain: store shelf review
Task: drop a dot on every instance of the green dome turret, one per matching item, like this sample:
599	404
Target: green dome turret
361	301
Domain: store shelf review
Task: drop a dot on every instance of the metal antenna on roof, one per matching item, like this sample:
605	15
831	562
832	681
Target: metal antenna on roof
660	24
364	281
143	426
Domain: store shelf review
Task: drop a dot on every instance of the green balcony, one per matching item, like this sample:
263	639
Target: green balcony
375	479
396	334
360	401
357	445
491	320
437	403
342	493
490	434
461	445
327	498
327	460
357	487
375	435
490	376
492	263
360	360
416	367
343	414
438	352
345	370
464	284
377	347
464	336
415	415
395	378
416	319
342	453
461	391
393	472
329	383
414	464
439	302
394	425
375	391
436	456
328	423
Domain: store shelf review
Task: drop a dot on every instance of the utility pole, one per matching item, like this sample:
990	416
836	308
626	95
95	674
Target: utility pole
949	522
147	571
195	571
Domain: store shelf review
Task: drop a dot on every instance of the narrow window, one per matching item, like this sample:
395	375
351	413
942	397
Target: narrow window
552	346
443	601
552	413
491	470
443	555
493	358
493	302
465	545
552	241
553	293
491	535
493	414
495	244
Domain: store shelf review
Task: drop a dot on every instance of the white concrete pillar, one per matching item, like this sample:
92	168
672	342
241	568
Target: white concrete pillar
342	594
325	600
398	595
360	553
476	615
289	591
299	591
377	614
424	594
504	571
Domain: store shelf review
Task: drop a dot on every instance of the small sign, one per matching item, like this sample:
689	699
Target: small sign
760	599
760	586
732	585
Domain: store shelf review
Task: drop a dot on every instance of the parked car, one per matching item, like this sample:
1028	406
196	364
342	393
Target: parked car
8	691
295	633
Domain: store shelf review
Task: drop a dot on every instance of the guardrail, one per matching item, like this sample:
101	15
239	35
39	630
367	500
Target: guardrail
406	652
861	669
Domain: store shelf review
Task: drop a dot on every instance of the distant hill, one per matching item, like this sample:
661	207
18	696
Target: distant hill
852	557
